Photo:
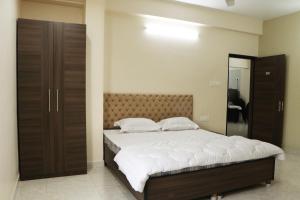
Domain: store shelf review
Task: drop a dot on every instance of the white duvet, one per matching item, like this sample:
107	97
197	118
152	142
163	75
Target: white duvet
144	154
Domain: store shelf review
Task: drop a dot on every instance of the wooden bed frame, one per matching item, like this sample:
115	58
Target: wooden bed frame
189	185
202	183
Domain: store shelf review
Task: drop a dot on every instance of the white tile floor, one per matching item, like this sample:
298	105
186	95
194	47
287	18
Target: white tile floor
240	128
100	184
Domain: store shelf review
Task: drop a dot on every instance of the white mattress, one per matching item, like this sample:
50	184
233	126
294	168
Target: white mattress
158	152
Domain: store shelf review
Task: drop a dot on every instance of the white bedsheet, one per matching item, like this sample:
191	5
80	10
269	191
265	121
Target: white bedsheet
144	154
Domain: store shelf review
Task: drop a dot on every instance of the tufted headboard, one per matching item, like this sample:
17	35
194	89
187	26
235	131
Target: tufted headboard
155	107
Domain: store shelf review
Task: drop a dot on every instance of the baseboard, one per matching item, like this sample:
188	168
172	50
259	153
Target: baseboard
92	164
292	151
14	191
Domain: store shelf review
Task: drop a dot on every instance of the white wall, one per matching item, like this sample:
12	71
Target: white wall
244	69
139	63
188	12
8	122
245	84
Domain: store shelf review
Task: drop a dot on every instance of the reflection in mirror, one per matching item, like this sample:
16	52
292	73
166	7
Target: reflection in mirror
238	96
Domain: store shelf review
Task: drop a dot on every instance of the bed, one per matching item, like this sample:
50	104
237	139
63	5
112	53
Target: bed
180	185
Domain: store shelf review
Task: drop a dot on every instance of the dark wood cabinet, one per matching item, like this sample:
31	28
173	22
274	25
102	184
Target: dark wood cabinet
51	99
268	99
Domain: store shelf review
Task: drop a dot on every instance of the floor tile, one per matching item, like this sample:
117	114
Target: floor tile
100	184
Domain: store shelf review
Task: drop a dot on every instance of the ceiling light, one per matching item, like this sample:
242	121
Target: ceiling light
172	31
170	20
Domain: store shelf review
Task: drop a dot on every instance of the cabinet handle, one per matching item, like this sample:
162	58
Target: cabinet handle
57	94
49	100
282	106
279	106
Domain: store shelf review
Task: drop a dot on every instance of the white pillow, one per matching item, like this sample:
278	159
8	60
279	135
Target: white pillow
134	125
178	124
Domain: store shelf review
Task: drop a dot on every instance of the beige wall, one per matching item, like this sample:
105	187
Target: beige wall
8	122
51	12
139	63
281	36
94	72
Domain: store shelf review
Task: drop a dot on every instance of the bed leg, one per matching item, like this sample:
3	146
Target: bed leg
268	183
215	197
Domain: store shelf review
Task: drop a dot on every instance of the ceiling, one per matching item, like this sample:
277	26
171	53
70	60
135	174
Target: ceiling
261	9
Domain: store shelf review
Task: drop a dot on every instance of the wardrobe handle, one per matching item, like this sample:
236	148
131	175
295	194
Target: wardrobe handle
57	100
279	106
49	100
282	106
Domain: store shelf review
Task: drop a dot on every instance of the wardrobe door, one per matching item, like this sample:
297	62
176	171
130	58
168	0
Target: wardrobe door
34	85
268	99
70	48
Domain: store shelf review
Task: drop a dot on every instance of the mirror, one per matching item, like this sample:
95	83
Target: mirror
238	96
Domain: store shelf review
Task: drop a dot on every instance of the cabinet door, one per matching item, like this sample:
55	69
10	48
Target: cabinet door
34	84
268	99
69	58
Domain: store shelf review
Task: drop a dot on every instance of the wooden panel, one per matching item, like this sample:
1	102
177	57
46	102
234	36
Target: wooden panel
269	81
201	183
34	67
210	181
70	84
51	99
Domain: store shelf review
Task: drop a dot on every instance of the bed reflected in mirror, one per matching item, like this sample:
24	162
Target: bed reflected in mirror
238	96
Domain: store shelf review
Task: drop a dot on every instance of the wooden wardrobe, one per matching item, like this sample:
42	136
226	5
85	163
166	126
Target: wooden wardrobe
51	61
269	77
